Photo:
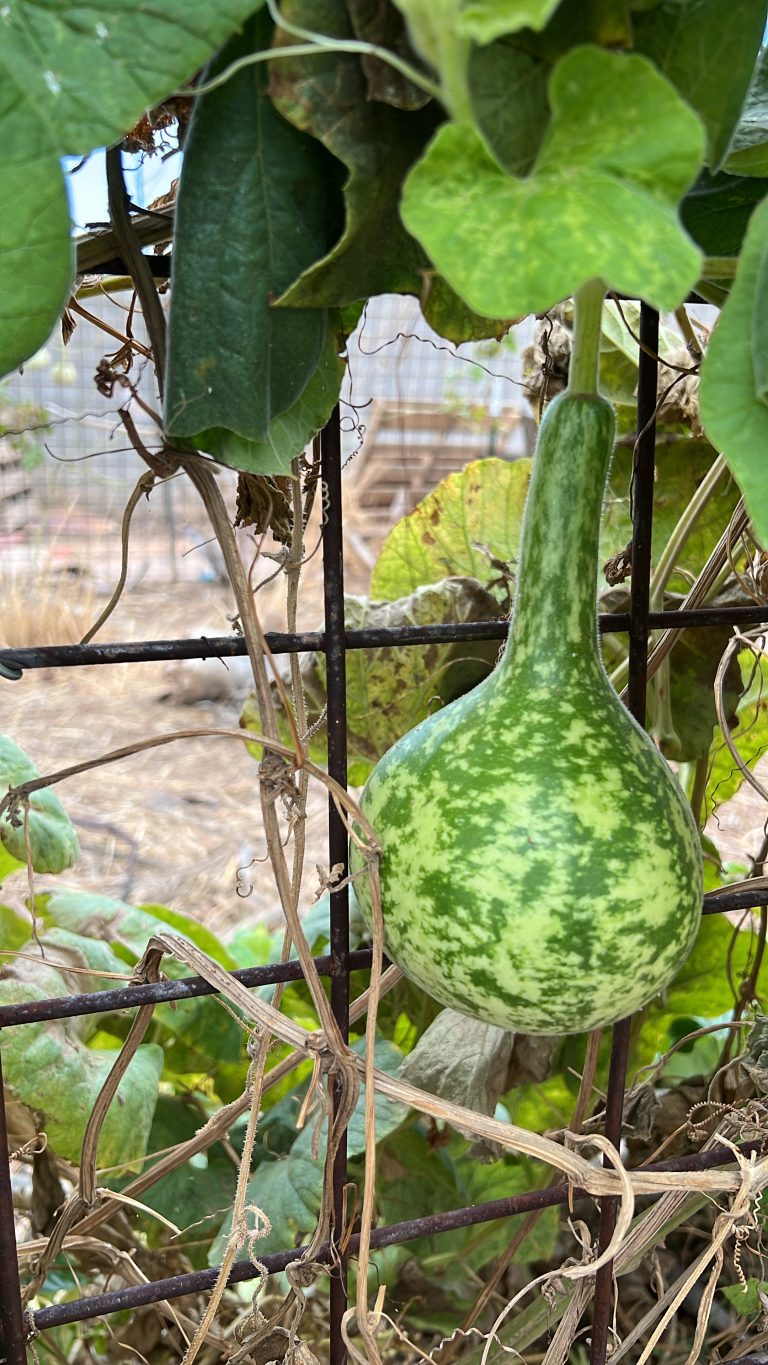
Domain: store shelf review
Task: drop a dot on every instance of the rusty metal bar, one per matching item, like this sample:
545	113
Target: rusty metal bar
12	1334
336	726
393	1234
639	632
29	657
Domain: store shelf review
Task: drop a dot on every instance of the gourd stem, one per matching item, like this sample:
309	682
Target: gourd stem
587	331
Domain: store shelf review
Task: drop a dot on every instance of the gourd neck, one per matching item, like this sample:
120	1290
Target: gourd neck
554	624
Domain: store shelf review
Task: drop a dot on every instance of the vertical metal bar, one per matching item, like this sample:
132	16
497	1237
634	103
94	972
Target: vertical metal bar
12	1342
336	722
642	526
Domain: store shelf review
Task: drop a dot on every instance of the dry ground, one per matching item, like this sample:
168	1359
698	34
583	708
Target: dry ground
171	825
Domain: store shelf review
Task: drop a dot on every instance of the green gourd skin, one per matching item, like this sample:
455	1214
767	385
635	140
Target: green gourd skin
540	866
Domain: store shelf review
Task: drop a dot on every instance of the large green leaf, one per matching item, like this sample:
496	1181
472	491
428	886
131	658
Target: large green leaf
50	1068
708	50
748	153
257	202
289	1190
72	79
326	95
290	433
470	519
600	202
716	211
53	843
735	418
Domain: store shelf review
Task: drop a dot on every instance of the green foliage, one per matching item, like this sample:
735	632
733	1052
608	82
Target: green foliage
750	734
484	20
74	80
471	519
511	247
733	413
234	363
53	844
708	51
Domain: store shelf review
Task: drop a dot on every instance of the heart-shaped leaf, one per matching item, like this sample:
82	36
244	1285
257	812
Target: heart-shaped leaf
72	79
620	151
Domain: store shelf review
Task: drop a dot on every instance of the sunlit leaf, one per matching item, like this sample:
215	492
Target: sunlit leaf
600	202
53	843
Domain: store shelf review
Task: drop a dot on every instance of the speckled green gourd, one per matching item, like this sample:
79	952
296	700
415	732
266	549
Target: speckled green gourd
540	867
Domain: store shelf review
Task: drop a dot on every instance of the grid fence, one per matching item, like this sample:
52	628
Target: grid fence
20	1326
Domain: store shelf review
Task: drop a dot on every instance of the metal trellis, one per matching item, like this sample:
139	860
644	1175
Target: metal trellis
19	1326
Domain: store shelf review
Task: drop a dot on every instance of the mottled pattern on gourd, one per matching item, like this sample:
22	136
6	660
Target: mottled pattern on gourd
544	875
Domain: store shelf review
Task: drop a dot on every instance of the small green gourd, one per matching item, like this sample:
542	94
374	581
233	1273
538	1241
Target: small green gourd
540	867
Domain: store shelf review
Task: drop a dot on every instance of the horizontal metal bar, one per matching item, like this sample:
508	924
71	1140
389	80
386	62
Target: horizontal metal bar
196	1281
231	646
157	993
189	987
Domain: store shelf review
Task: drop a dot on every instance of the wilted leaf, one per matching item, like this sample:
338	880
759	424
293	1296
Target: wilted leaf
381	24
461	1060
390	689
601	200
72	80
256	205
735	419
52	839
325	94
708	50
471	519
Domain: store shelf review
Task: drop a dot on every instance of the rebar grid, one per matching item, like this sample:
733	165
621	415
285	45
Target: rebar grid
334	641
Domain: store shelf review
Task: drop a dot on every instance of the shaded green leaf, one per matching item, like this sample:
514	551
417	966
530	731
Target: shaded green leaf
291	432
708	50
326	95
750	735
52	840
701	987
717	210
748	153
681	464
256	205
196	1195
74	79
735	419
511	247
289	1191
508	90
471	518
449	316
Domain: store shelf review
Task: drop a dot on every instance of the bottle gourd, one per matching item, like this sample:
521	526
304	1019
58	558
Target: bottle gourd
540	867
